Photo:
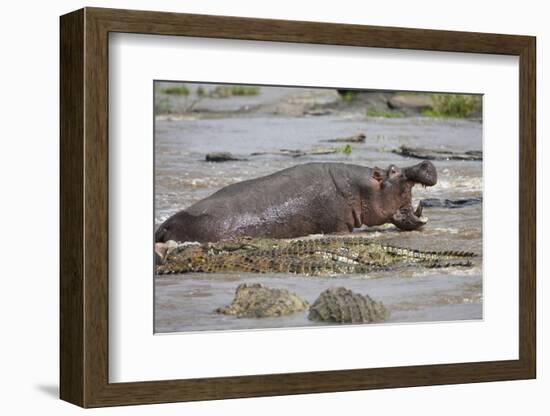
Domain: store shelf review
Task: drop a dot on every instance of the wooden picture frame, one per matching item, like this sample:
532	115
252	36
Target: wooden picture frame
84	207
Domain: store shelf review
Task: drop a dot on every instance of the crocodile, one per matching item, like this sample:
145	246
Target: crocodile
342	305
254	300
321	256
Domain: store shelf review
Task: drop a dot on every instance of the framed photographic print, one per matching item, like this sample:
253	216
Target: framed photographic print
255	207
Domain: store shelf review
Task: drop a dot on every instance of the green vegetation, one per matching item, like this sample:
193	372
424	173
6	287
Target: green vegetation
453	105
410	93
163	106
244	90
347	95
179	99
385	114
235	90
176	90
346	149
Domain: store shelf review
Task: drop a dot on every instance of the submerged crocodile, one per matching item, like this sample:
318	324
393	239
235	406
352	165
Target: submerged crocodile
306	256
342	305
254	300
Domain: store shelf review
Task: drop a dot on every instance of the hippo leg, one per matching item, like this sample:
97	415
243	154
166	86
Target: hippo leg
407	220
162	250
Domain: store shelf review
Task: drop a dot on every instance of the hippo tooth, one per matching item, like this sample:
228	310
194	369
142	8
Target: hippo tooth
418	211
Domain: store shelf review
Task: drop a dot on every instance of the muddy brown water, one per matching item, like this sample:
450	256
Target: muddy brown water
182	177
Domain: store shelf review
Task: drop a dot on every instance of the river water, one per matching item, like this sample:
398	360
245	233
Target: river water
274	120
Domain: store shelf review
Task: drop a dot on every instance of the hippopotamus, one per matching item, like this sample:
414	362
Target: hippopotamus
312	198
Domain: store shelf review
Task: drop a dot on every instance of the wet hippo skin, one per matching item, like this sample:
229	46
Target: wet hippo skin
312	198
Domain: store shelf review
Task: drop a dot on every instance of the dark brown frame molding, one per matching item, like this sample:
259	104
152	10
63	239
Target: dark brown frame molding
84	209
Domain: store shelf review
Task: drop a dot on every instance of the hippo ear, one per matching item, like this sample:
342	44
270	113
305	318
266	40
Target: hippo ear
377	174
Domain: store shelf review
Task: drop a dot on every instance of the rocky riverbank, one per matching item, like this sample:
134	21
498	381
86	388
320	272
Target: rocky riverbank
192	101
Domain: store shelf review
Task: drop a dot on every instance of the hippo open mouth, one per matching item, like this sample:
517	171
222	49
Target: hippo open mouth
407	218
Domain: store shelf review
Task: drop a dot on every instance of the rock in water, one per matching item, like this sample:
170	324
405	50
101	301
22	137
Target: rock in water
344	306
221	157
451	203
358	138
298	152
253	300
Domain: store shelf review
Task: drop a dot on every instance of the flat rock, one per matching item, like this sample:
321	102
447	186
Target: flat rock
451	203
254	300
318	112
358	138
410	102
298	152
438	154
